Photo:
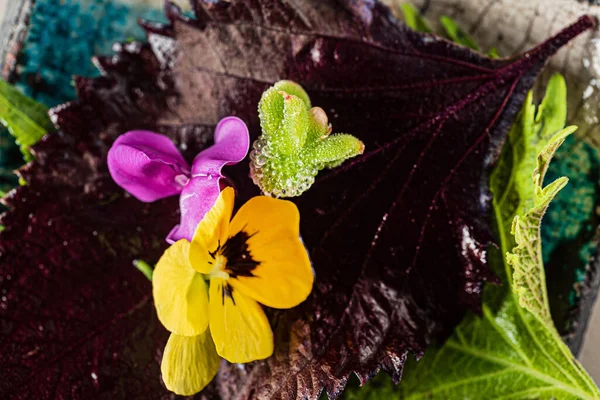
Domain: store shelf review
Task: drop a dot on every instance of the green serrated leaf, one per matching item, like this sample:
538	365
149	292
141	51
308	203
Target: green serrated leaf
414	19
513	351
529	282
26	119
506	354
510	181
456	34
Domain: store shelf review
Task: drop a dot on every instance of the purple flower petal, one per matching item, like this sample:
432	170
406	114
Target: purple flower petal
199	195
150	167
196	199
231	146
147	165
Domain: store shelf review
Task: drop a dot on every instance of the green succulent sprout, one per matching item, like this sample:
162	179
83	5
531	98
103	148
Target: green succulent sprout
296	142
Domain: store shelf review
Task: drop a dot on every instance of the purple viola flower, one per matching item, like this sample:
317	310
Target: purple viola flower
149	166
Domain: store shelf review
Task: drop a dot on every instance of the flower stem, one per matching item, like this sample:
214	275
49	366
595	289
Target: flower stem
144	268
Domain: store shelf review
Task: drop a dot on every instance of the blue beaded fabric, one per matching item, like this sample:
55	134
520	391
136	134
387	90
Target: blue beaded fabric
63	37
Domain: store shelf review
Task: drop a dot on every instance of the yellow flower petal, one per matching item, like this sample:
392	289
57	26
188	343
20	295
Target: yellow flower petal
189	363
180	293
212	232
238	325
284	276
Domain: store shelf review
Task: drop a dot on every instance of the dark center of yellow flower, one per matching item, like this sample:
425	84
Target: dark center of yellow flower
236	252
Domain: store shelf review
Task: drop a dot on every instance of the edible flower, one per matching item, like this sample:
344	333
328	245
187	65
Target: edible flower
296	142
150	167
208	291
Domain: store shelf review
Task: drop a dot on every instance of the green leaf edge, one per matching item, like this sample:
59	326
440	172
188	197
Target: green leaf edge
526	258
26	119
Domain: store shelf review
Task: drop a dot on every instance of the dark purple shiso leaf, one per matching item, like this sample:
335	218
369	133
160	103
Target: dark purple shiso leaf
397	237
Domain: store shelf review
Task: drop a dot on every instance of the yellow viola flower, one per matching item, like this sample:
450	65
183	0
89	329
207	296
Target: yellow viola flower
207	292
